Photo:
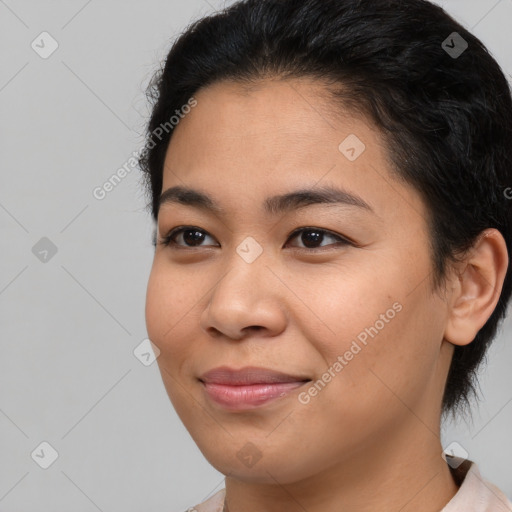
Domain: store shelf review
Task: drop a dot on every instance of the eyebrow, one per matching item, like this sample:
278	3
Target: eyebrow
274	205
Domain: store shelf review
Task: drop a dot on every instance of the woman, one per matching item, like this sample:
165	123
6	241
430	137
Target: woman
329	180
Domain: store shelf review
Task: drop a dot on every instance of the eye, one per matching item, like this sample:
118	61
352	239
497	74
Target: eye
310	236
190	235
194	236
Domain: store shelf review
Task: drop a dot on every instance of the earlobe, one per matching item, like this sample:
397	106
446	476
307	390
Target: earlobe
478	288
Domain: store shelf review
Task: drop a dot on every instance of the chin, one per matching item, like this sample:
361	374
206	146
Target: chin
253	465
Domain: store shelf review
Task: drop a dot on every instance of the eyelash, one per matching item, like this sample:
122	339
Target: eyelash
168	240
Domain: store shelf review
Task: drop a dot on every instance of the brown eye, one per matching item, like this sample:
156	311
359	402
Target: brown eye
311	237
191	236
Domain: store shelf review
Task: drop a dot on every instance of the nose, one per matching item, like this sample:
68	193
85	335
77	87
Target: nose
247	301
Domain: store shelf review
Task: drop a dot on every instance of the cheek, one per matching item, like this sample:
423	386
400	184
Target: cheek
388	338
348	310
168	308
166	313
387	366
155	307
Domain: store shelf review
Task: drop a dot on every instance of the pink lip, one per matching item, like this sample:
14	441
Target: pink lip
248	387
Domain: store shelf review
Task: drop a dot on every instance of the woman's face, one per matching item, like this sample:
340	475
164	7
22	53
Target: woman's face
242	289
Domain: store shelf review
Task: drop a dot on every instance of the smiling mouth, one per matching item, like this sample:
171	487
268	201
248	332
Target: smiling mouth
249	387
243	397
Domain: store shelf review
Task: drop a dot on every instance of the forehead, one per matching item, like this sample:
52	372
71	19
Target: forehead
264	139
302	108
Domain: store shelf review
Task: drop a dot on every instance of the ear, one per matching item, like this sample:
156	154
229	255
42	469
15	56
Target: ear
476	287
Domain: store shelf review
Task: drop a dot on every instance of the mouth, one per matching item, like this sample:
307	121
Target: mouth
249	387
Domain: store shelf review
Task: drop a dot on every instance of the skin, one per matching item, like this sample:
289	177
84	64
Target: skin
370	439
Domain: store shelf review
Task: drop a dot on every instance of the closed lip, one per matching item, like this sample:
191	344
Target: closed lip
247	376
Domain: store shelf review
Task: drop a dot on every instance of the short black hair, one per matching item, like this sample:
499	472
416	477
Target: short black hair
444	110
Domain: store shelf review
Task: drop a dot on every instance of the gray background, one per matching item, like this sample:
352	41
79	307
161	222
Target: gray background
70	324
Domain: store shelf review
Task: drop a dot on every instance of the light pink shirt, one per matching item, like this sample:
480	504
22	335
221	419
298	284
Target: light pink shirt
474	495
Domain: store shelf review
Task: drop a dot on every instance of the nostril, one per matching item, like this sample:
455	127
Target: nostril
255	328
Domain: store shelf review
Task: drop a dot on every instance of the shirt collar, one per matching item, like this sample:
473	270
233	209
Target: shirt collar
475	494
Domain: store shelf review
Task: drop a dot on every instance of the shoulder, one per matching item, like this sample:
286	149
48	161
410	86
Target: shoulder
213	504
476	494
